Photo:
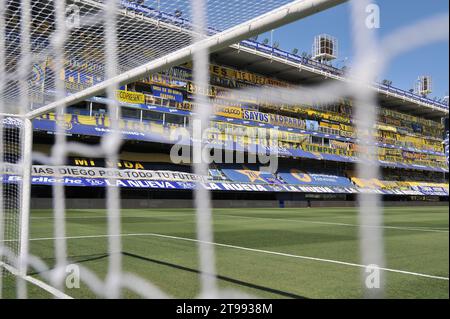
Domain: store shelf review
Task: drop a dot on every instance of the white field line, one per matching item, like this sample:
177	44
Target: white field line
424	229
248	249
52	290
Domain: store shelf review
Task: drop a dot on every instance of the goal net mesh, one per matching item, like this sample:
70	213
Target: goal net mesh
145	31
54	53
11	151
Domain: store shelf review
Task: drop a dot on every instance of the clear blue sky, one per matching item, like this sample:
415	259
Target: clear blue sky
429	60
403	72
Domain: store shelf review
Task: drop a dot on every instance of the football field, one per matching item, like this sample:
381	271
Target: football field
268	253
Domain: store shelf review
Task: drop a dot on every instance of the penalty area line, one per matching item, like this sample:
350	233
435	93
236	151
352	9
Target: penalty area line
423	229
331	261
50	289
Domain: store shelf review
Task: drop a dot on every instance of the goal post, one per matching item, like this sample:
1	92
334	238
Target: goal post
26	162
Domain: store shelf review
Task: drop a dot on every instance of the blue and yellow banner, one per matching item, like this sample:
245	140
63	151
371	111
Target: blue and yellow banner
297	177
130	97
229	111
167	93
245	175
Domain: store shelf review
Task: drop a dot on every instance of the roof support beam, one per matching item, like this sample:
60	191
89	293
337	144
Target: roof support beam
291	12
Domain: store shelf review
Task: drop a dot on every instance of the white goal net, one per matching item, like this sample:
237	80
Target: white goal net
11	152
45	45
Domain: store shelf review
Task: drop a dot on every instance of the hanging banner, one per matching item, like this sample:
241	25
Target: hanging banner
194	89
213	186
243	76
256	116
312	125
99	172
180	185
414	156
130	97
229	111
286	121
339	145
296	177
167	93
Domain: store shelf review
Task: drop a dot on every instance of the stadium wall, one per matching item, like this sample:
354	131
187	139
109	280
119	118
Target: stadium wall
99	203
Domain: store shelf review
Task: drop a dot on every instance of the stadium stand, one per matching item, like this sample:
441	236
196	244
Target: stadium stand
316	144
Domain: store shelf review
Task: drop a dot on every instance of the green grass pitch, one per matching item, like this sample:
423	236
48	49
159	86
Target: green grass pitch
248	252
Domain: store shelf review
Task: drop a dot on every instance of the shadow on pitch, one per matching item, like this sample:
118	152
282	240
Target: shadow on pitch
72	260
220	277
90	258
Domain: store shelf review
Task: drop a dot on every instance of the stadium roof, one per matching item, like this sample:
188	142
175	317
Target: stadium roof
244	57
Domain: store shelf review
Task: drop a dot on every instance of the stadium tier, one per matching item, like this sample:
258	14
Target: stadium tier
316	145
307	138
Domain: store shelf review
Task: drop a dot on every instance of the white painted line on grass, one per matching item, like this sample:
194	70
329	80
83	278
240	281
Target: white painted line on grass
425	229
420	228
52	290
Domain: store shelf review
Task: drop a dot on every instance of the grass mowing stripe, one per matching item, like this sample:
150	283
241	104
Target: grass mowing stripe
419	228
344	224
247	249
